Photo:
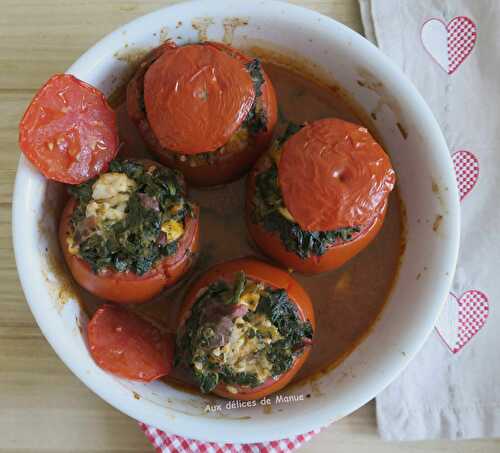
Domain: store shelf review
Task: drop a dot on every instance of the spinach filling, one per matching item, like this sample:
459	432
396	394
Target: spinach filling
256	120
268	201
273	334
137	241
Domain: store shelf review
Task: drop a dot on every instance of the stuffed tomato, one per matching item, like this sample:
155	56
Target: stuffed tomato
205	109
245	329
131	232
319	196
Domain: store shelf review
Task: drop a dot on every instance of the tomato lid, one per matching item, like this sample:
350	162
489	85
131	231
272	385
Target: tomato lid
69	132
333	174
196	97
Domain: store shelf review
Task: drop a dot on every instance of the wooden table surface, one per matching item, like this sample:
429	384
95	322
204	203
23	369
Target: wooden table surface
43	407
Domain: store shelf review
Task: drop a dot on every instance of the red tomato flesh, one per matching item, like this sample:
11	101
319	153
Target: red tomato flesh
69	132
128	346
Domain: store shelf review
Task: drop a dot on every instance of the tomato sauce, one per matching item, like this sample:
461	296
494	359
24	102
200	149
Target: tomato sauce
346	301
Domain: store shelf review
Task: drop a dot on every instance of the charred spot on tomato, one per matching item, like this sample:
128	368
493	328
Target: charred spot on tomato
270	211
241	334
128	218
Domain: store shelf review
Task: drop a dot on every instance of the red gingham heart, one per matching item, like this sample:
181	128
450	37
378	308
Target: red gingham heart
462	318
467	171
449	44
461	39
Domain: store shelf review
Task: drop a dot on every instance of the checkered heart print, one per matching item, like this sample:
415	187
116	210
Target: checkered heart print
170	443
462	318
449	44
467	171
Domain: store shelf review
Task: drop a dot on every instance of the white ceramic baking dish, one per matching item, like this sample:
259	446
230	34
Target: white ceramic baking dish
427	184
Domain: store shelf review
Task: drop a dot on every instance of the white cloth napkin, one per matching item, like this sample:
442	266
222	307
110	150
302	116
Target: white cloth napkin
451	51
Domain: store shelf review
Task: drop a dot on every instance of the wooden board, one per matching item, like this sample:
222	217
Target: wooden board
43	407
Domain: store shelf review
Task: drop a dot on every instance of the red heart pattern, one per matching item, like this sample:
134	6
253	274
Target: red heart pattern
462	318
449	44
467	171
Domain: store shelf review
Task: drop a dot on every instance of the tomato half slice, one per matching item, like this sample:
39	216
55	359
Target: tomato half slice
69	132
128	346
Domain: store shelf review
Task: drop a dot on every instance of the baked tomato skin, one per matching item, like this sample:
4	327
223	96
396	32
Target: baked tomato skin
196	97
69	132
223	168
349	176
124	344
271	276
127	287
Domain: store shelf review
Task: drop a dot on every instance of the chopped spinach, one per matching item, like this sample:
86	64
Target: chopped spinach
267	202
239	287
255	70
256	120
291	129
239	378
281	356
208	381
280	310
135	242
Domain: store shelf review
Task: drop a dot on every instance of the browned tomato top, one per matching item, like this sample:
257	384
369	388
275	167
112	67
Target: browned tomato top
196	97
333	174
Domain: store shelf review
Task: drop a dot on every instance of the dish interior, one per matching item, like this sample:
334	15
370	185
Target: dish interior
347	301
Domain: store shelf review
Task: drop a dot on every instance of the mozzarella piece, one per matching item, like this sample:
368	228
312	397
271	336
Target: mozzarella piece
251	296
73	248
286	214
109	185
110	196
173	229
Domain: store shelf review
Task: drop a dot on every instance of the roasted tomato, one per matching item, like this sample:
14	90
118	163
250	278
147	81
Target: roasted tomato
69	131
126	345
205	109
319	196
131	232
245	329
